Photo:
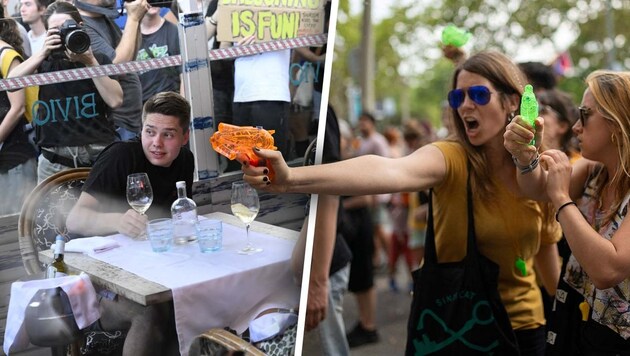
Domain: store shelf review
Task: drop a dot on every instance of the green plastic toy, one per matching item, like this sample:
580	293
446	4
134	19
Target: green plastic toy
451	35
529	107
521	266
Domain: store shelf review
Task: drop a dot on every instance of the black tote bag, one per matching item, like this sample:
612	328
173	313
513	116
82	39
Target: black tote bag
456	308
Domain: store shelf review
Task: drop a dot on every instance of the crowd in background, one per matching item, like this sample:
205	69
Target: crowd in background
36	143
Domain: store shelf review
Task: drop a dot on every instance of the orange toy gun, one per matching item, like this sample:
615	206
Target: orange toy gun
239	141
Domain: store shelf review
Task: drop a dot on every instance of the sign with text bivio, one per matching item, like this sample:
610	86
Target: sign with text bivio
269	19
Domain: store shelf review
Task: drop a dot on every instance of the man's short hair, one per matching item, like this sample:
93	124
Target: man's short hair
168	103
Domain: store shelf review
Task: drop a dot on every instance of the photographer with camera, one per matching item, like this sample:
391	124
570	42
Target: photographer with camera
119	46
72	124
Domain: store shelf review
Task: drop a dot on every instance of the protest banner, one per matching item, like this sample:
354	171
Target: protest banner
269	20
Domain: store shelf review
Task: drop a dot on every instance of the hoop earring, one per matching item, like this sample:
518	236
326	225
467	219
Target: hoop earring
612	138
511	116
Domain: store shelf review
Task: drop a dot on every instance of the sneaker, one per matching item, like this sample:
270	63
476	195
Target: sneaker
360	336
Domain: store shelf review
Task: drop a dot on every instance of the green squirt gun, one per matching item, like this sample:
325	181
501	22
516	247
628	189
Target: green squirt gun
529	107
453	36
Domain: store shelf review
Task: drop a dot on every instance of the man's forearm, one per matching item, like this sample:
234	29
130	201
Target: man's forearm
88	222
127	49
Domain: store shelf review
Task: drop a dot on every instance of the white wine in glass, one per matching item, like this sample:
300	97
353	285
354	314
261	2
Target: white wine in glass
245	206
139	193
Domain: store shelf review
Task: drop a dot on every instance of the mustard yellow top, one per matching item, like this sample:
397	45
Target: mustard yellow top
507	228
412	222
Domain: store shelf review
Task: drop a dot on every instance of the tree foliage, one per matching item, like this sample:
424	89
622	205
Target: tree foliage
409	60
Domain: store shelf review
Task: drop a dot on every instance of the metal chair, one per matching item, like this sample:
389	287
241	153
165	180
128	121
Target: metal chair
42	218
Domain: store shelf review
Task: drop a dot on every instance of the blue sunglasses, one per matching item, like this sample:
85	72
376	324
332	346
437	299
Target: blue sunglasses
478	94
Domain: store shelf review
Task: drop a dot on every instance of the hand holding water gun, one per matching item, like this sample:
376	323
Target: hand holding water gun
529	108
238	142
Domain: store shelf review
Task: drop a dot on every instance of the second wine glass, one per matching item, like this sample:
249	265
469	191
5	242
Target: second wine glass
139	193
245	206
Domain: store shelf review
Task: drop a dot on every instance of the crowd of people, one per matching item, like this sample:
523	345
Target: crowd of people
576	172
59	126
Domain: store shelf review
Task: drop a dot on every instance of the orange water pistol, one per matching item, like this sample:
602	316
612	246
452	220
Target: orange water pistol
238	142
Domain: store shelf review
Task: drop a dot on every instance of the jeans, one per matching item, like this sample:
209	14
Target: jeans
331	330
124	134
16	184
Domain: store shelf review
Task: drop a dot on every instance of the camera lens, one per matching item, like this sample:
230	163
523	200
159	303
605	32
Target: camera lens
77	41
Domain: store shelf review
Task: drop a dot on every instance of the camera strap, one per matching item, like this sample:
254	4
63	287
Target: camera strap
111	13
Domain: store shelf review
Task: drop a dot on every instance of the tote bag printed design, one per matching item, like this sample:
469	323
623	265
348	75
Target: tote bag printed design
456	308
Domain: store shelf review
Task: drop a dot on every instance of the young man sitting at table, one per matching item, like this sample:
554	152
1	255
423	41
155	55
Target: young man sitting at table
102	207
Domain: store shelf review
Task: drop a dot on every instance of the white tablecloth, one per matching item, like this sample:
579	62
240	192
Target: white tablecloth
216	289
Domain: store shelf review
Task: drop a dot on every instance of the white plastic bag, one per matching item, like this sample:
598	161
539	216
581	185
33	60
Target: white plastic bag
304	93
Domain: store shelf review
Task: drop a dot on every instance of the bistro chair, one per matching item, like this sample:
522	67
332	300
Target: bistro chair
222	342
42	218
44	213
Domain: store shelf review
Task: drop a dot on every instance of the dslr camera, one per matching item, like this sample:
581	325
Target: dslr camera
73	38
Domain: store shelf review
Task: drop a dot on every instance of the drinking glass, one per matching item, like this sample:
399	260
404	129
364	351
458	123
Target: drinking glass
245	206
160	234
139	193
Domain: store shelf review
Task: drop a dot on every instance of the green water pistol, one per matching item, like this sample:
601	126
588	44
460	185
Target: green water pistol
529	107
451	35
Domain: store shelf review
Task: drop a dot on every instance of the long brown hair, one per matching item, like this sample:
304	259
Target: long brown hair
10	33
507	79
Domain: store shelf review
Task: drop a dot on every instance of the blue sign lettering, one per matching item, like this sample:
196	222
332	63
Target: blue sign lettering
83	107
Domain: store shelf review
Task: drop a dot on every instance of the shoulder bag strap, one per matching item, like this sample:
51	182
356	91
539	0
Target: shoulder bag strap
472	236
430	253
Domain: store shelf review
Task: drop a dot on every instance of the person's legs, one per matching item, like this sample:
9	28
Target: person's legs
331	330
365	330
367	308
45	168
395	249
299	124
147	326
17	183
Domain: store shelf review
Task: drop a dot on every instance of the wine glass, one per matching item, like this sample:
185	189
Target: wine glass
139	193
245	206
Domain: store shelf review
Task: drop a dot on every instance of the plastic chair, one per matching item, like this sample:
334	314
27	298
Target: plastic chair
42	218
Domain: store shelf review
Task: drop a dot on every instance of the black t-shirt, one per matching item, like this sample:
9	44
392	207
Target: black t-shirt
160	44
107	181
71	113
332	153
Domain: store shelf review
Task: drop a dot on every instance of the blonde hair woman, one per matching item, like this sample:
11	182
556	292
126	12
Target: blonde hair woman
591	198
